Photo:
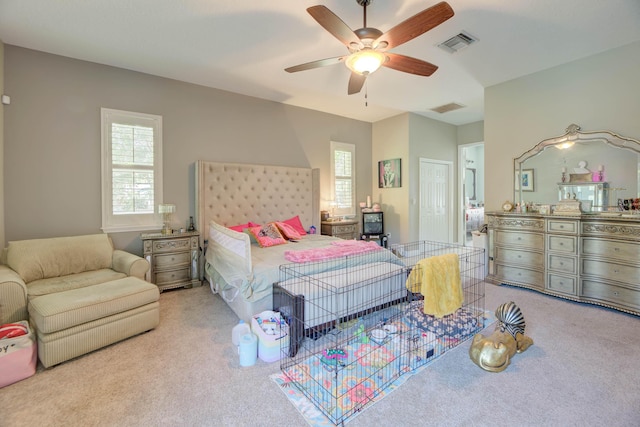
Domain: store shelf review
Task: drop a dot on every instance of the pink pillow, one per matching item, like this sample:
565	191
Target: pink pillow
288	231
240	228
296	224
267	235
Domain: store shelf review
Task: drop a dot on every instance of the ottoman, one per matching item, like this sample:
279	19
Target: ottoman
78	321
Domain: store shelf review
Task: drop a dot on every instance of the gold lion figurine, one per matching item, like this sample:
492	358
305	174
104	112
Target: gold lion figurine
494	353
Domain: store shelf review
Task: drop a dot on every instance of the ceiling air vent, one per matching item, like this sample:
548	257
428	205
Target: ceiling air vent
458	42
447	107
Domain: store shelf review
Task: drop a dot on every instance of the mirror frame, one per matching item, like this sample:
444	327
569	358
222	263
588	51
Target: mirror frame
573	134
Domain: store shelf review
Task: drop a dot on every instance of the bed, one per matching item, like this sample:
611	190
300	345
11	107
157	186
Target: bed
241	272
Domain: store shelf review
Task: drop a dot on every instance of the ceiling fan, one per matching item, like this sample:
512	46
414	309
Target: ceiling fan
369	47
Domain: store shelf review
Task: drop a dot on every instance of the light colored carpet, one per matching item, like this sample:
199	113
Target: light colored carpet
583	370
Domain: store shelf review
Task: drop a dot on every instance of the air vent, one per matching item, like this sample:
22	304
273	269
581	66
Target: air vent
458	42
448	107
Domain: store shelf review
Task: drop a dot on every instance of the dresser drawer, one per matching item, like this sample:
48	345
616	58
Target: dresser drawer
567	244
515	238
515	256
170	245
616	295
618	250
564	284
171	260
562	226
562	264
611	271
521	223
520	275
179	275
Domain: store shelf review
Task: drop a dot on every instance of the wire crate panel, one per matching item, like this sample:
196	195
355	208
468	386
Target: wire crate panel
355	329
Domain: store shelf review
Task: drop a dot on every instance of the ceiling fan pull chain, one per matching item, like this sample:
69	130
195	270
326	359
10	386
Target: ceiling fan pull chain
366	94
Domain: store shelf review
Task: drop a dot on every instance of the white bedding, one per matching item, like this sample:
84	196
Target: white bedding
241	269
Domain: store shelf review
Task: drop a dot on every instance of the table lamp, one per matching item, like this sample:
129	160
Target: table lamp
166	210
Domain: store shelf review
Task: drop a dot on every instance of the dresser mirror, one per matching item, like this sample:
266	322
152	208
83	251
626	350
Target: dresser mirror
580	160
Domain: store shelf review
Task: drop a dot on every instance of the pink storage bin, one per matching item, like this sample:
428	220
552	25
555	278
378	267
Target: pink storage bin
18	357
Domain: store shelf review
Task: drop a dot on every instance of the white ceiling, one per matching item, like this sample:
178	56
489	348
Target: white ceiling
244	46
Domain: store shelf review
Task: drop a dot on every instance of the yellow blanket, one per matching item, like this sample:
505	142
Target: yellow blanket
438	280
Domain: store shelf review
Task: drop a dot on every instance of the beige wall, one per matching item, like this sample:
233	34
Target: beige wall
391	141
52	139
596	93
408	137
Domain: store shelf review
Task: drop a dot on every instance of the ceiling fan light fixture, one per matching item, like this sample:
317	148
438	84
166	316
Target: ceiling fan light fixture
365	62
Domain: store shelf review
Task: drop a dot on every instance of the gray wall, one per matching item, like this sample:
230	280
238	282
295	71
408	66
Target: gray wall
2	109
52	139
601	92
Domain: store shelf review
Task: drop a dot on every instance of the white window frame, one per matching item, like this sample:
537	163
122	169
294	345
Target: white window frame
129	222
341	146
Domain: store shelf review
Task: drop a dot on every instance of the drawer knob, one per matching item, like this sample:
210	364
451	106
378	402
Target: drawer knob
561	244
561	263
562	226
616	293
616	249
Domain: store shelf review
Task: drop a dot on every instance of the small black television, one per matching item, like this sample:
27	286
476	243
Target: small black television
372	224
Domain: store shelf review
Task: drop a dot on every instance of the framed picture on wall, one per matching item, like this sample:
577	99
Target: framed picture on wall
389	173
525	181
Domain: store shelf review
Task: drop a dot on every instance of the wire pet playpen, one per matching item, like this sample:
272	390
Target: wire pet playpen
355	328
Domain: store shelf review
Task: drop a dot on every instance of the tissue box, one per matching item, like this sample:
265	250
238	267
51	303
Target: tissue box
18	356
269	345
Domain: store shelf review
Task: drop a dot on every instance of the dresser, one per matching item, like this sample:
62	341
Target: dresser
346	229
174	259
585	258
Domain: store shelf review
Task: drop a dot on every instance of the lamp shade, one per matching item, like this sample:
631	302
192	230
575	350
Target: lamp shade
365	61
166	208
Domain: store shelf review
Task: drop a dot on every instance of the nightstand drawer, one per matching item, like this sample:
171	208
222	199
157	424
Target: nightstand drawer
172	276
344	229
170	245
171	260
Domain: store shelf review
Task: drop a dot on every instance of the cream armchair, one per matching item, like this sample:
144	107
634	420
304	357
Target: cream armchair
78	293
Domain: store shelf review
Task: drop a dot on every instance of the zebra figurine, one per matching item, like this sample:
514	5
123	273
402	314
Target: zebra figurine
494	353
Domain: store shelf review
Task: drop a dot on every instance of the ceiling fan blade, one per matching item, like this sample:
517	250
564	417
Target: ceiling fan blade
411	28
409	65
356	81
334	25
315	64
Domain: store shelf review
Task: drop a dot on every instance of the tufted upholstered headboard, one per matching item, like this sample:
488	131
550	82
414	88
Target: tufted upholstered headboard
234	193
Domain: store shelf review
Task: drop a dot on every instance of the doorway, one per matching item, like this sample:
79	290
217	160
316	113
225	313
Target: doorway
436	213
470	191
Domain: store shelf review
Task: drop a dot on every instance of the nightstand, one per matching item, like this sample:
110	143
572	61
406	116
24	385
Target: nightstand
174	259
346	229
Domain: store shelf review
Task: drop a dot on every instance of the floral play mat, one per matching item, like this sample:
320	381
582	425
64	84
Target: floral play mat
370	371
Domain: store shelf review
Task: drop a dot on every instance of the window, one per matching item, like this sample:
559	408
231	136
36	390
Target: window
343	162
131	170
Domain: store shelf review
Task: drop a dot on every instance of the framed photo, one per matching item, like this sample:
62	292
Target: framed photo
525	181
389	173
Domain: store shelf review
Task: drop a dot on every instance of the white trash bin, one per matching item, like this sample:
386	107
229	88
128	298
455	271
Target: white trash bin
480	240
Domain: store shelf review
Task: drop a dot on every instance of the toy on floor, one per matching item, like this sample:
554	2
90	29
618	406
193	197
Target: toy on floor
361	334
332	357
494	353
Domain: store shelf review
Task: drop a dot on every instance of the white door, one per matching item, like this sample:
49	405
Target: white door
437	217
